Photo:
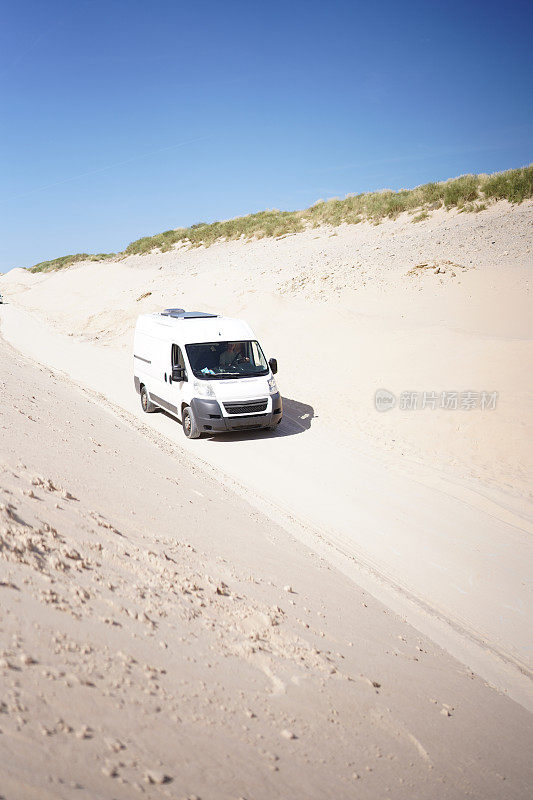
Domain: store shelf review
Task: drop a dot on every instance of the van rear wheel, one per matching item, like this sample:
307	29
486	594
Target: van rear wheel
147	406
190	428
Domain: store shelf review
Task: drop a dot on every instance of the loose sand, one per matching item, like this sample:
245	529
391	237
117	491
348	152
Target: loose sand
160	638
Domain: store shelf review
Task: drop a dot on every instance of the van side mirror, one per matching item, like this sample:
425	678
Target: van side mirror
178	374
273	363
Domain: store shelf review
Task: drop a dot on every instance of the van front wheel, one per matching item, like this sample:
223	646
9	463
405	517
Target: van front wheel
190	428
147	405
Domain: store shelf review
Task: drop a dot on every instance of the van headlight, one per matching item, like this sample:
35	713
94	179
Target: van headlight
203	389
272	385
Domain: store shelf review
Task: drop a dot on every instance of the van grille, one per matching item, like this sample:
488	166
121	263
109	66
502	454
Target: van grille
253	407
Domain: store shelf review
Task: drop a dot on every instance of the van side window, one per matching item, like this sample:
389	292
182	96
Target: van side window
177	356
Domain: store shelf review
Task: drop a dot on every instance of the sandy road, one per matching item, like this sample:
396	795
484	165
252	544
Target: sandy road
452	559
148	646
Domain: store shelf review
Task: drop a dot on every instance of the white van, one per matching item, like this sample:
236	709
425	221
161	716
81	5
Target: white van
208	371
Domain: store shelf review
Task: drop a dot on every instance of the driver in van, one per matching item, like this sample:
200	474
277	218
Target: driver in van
233	355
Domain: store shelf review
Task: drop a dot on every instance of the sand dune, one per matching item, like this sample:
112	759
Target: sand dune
356	302
142	542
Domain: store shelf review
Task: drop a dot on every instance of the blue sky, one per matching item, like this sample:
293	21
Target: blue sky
123	119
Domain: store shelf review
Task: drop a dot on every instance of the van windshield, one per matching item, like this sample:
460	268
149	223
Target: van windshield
214	360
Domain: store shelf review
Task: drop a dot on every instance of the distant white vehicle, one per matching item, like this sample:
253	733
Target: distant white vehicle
208	371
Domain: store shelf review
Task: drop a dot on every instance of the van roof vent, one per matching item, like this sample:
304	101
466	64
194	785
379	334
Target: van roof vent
180	313
173	312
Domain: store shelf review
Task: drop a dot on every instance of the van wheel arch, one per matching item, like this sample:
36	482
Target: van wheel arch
146	404
188	421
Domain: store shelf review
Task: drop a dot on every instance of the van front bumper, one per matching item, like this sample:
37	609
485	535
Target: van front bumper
209	417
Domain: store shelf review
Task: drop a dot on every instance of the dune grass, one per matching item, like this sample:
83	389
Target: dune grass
68	261
468	193
264	223
515	185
